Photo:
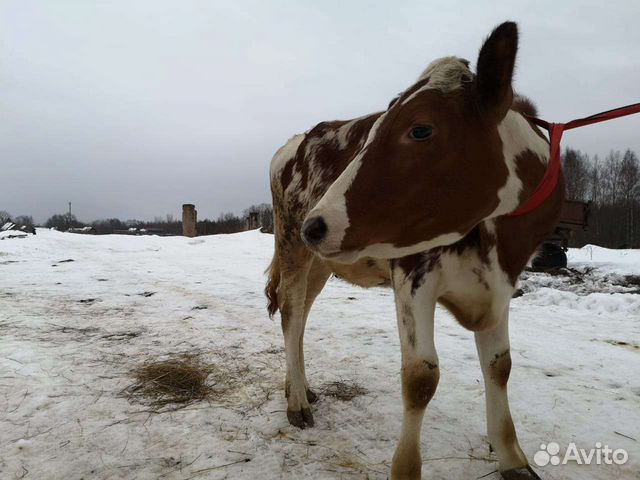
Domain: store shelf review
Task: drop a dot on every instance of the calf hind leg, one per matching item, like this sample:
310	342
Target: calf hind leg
300	282
316	280
292	291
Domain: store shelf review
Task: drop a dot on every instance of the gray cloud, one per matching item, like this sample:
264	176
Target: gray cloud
130	109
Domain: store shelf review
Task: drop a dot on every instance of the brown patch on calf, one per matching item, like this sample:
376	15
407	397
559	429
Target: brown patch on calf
287	174
324	157
327	157
500	368
419	383
478	272
416	267
409	324
478	239
292	200
531	228
432	200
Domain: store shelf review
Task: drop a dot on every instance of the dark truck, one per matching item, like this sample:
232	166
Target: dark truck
552	252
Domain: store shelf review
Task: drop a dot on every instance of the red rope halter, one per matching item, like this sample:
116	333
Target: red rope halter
550	179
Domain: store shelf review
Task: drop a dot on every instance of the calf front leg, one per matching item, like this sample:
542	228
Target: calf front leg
415	306
495	360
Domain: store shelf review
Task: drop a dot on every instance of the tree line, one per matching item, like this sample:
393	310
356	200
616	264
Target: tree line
612	186
225	223
26	220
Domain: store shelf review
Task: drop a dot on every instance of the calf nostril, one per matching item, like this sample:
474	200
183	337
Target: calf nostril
314	230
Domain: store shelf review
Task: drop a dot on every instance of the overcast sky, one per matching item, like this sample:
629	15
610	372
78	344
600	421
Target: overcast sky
130	108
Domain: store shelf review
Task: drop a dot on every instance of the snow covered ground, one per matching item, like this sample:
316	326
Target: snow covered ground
78	312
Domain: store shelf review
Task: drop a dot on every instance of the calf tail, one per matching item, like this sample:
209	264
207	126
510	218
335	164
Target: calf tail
271	289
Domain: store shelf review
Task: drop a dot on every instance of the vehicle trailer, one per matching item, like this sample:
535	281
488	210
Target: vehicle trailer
552	252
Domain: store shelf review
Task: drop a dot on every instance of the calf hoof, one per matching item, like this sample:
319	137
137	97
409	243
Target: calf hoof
312	397
522	473
300	418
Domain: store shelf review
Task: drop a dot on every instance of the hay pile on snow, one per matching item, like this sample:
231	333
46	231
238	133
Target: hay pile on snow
179	380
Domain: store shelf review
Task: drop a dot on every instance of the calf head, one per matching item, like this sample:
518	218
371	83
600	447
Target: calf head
431	167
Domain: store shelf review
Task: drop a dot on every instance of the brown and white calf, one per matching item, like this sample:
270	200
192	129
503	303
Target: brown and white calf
416	198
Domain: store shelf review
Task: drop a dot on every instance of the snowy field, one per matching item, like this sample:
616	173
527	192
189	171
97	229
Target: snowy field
77	313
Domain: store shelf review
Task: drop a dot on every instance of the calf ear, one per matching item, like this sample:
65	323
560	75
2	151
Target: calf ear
495	70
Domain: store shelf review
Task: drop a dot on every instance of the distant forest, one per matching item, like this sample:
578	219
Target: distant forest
170	225
610	184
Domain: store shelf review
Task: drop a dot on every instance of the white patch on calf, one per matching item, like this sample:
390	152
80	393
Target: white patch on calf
481	288
343	132
288	152
445	74
517	136
284	154
389	250
316	169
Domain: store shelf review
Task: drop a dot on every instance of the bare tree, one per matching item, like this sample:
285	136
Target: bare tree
265	215
62	221
109	225
575	166
611	177
629	178
629	174
4	217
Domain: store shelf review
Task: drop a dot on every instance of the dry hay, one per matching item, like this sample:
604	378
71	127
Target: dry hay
343	390
180	380
220	378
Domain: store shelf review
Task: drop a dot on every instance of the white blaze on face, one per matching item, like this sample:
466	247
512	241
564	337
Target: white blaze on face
332	207
517	136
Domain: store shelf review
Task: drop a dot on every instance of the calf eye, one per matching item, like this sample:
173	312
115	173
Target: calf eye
421	132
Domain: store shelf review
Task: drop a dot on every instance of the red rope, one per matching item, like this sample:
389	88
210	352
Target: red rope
550	178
